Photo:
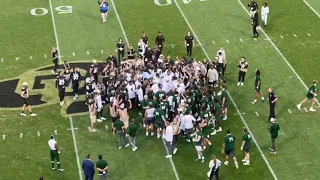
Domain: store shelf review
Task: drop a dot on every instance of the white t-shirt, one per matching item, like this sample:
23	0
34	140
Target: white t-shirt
131	91
140	94
52	144
188	121
155	88
150	112
169	134
264	10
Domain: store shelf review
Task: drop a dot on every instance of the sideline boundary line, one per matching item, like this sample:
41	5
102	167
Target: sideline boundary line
55	31
127	41
279	52
75	147
311	8
231	99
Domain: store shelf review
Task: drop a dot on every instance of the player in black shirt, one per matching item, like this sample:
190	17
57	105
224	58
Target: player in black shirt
112	60
94	70
255	25
189	43
160	41
120	49
131	52
67	71
253	9
272	104
144	38
75	77
54	53
25	95
61	86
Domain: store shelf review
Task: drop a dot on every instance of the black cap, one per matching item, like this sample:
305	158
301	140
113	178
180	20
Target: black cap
52	137
160	32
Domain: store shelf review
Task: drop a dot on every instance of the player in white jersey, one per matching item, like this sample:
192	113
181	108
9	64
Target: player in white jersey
264	13
54	152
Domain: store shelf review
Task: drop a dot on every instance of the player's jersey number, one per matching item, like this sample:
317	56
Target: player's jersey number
168	2
44	11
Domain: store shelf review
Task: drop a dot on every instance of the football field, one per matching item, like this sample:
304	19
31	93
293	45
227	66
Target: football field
287	54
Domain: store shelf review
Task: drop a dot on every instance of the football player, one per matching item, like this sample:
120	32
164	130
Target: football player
104	7
197	140
94	70
258	87
75	77
54	153
253	9
54	53
311	95
61	86
25	95
228	148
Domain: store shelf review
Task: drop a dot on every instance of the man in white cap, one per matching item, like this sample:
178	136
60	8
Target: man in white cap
274	131
25	95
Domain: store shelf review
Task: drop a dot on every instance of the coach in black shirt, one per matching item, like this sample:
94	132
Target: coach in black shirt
272	103
160	41
188	43
255	25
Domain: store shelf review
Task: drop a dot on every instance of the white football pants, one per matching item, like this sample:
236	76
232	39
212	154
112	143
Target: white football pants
264	18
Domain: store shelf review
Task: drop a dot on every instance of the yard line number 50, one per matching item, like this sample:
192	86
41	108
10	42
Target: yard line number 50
168	2
44	11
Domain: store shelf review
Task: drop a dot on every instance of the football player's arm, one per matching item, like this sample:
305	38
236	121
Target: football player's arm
275	100
242	145
56	146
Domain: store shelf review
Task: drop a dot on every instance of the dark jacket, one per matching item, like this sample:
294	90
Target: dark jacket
88	167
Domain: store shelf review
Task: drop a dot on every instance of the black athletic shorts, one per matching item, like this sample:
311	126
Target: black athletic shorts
25	101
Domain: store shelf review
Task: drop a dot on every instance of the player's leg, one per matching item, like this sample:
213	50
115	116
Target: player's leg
246	160
313	103
106	15
225	113
302	102
239	78
227	158
58	161
265	20
52	157
235	160
103	16
158	130
22	109
30	110
152	127
190	51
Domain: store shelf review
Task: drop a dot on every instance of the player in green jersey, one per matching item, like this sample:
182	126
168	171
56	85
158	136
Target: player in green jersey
197	140
159	120
311	96
205	127
218	117
224	102
228	148
160	93
257	84
144	107
245	146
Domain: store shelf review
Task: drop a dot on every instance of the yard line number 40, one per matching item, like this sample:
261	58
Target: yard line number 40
44	11
168	2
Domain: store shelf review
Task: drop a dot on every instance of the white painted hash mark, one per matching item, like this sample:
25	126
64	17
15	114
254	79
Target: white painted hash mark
3	137
89	129
75	148
230	97
73	54
281	36
55	132
257	113
107	127
88	52
305	109
101	51
38	133
30	57
17	58
241	40
1	59
213	42
21	135
172	46
295	35
309	34
227	40
45	56
289	111
255	39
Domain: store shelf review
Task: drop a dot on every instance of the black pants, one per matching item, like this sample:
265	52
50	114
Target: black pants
120	55
95	76
160	46
175	140
55	67
272	114
75	87
221	68
254	30
133	103
214	173
189	50
62	94
241	76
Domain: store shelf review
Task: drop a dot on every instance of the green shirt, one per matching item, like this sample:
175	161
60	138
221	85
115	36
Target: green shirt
217	111
313	89
256	81
187	109
224	94
144	104
274	129
132	129
205	130
229	141
158	114
118	125
247	138
204	115
198	143
101	164
160	94
152	103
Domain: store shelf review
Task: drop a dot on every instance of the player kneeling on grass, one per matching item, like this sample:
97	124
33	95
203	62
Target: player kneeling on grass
197	140
104	7
245	146
159	120
311	95
25	95
228	148
54	152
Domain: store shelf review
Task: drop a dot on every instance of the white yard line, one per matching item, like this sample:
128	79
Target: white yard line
127	41
120	23
278	51
55	30
75	147
312	8
231	99
227	41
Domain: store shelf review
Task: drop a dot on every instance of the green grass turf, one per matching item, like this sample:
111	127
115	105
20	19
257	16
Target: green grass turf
81	31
